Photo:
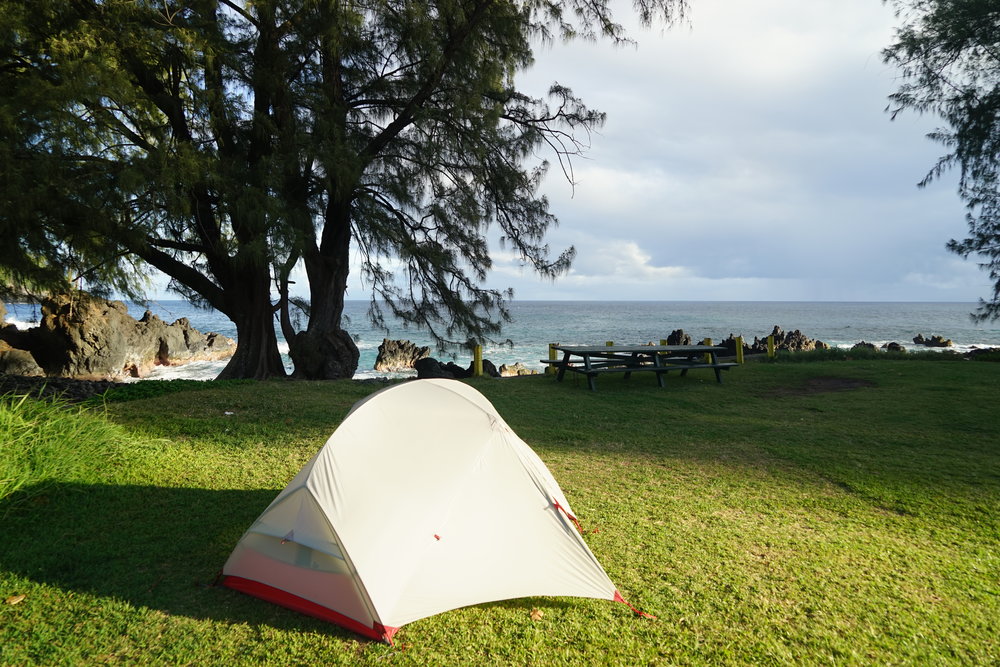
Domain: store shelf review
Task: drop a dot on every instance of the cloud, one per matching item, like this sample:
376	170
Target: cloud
624	263
622	270
750	154
946	276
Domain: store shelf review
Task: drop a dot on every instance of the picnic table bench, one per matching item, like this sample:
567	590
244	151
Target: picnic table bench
594	360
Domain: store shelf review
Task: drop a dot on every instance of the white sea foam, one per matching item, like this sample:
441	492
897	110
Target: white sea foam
363	374
21	324
913	347
196	370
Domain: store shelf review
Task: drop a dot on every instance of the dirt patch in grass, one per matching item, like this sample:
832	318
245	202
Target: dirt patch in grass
821	385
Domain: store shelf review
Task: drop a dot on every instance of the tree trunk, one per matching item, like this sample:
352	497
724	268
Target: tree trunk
328	354
257	356
324	351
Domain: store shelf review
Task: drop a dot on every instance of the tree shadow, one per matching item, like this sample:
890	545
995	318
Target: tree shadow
155	547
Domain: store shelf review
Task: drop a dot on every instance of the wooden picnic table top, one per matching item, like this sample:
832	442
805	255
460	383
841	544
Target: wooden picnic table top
633	349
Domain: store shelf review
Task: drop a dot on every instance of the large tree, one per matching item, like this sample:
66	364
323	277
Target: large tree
949	54
227	142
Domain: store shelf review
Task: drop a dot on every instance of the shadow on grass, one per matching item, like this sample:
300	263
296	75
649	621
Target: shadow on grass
149	546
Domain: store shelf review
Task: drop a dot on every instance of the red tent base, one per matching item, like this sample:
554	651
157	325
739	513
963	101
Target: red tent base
619	598
301	605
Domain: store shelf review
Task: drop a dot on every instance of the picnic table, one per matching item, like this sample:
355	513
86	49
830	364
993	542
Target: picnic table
594	360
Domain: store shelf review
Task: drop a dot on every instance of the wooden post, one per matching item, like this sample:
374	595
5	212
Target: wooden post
708	357
770	346
553	356
739	350
477	361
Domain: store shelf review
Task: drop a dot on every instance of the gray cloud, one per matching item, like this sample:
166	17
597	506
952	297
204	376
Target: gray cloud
749	157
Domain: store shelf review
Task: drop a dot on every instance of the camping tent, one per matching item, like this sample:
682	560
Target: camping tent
423	500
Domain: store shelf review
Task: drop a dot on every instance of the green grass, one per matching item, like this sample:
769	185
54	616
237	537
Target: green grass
48	443
841	512
151	389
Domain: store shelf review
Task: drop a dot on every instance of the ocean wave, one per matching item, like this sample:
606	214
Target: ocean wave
372	375
913	347
195	370
21	324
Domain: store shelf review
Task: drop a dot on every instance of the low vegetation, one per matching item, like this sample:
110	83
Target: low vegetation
862	353
45	444
831	512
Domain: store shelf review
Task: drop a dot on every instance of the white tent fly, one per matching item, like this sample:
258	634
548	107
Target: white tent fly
423	500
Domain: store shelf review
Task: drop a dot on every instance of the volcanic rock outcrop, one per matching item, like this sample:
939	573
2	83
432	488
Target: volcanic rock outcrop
84	337
934	341
399	355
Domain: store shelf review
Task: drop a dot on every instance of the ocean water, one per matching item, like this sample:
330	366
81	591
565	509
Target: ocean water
537	323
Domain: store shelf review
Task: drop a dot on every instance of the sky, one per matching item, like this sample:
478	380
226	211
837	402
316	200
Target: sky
747	155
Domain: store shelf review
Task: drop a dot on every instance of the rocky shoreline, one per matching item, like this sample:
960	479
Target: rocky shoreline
84	346
87	338
403	355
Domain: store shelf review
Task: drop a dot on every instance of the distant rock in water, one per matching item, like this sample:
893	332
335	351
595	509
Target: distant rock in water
983	352
515	370
933	341
678	337
84	337
793	341
429	367
731	344
489	369
399	355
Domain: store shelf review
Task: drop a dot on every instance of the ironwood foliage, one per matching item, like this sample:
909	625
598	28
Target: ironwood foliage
51	187
229	142
949	54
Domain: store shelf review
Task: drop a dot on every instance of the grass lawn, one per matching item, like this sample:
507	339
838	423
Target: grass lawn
840	512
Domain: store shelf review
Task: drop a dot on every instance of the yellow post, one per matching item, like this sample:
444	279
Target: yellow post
739	350
708	357
770	347
609	343
553	356
477	361
663	341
